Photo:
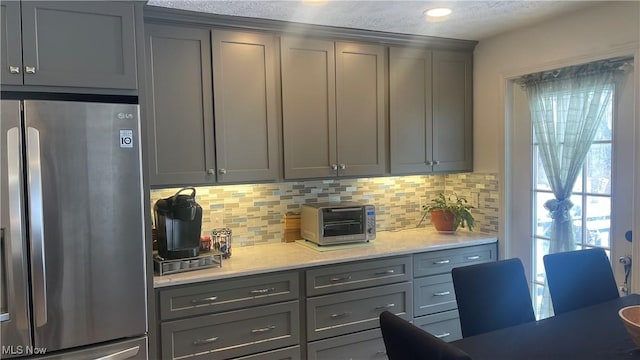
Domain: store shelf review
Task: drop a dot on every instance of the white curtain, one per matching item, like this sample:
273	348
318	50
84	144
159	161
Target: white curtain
567	107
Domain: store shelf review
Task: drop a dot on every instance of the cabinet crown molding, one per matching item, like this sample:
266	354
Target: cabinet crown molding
175	16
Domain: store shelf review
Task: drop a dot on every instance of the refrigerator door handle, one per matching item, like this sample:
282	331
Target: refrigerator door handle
37	226
15	203
122	355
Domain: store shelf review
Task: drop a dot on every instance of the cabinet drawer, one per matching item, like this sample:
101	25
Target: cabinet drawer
433	294
228	294
442	261
363	345
232	334
290	353
445	326
357	310
330	279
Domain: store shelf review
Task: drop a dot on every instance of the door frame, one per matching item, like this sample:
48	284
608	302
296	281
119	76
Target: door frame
510	198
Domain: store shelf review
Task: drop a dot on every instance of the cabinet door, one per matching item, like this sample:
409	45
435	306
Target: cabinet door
410	111
10	43
245	103
308	106
360	90
180	117
452	111
86	44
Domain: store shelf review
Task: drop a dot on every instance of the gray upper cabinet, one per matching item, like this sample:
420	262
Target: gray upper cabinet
180	114
360	90
69	44
430	109
452	111
246	106
308	108
333	108
11	42
410	89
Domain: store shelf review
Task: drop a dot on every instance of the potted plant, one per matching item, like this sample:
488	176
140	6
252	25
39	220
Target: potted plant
449	212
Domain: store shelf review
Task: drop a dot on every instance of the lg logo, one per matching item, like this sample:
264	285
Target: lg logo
123	116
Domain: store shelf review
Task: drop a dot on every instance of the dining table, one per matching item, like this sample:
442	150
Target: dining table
591	333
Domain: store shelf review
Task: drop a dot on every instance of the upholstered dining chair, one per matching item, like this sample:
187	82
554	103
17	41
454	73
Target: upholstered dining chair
492	296
579	278
404	341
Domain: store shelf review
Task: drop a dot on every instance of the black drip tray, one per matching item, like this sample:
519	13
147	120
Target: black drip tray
173	266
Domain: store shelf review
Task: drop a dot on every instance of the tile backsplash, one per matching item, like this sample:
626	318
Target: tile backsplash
255	212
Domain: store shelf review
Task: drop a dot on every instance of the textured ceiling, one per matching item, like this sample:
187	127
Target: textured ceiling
470	20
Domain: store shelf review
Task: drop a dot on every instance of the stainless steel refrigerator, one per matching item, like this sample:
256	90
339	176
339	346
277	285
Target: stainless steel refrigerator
72	248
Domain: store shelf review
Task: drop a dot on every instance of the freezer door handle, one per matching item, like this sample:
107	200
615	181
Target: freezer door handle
37	226
122	355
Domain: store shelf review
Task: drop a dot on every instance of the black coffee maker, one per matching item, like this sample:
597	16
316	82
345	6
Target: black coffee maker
178	222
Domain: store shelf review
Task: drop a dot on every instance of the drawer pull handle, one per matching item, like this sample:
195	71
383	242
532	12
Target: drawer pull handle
388	272
263	330
442	262
339	279
262	291
341	315
442	293
443	335
388	306
474	257
205	341
204	300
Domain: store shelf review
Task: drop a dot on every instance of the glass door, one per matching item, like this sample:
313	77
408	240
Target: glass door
602	196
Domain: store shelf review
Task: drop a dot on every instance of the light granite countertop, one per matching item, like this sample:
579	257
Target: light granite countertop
260	259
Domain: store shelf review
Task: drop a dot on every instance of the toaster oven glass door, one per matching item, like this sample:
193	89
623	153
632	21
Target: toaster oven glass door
343	221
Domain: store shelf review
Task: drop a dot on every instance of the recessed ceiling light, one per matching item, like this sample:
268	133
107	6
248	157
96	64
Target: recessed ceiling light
438	12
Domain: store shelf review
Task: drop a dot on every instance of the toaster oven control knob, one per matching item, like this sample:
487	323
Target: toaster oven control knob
370	230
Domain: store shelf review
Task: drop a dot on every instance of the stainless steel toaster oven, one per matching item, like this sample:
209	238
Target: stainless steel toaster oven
337	223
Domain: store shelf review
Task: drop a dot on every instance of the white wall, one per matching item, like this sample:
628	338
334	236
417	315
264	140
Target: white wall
578	37
586	35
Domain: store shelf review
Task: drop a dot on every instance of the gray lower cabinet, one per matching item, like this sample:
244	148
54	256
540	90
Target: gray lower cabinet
344	303
69	43
444	325
256	316
430	111
362	345
435	308
246	97
333	108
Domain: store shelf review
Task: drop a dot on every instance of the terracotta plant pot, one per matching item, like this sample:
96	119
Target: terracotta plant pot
443	220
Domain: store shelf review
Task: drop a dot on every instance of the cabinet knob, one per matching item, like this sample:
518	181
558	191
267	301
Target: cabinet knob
334	167
222	171
211	171
429	163
14	69
30	69
436	162
343	166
